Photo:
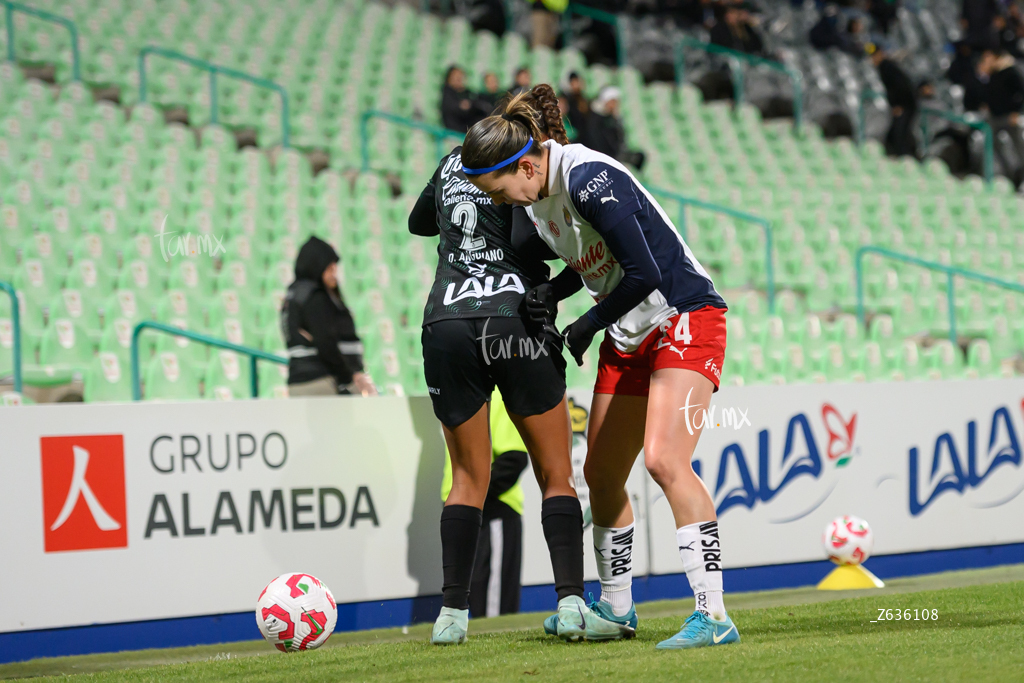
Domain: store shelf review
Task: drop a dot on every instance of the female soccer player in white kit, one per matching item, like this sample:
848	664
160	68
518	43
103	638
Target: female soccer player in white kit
664	345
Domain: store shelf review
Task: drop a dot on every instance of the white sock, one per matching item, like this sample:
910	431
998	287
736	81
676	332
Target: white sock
701	552
613	549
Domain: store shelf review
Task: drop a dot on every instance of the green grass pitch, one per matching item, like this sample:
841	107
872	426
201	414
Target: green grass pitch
789	635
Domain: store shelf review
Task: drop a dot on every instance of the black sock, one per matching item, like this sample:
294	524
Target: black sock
460	530
562	519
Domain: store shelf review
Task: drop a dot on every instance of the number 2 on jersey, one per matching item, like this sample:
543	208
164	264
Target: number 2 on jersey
464	216
681	333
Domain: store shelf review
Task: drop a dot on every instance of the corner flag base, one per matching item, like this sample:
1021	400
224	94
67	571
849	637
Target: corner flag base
849	577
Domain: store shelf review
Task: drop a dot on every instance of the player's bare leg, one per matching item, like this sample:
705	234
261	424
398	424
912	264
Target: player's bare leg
469	446
672	433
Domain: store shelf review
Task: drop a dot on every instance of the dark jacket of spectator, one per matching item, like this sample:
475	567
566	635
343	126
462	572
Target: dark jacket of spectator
899	89
978	15
604	133
827	33
883	12
317	326
1005	92
739	36
459	109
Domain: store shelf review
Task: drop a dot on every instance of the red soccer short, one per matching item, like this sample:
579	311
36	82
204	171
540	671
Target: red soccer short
693	341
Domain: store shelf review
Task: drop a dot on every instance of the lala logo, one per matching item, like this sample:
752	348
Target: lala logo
179	302
229	364
238	274
144	246
126	300
65	333
140	273
72	302
123	330
94	245
233	330
181	324
111	366
231	303
169	363
34	270
840	434
83	492
87	269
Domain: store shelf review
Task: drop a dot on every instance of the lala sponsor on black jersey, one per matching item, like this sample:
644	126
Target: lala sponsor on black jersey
478	273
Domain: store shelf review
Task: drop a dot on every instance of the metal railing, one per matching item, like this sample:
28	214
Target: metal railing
16	331
214	70
439	134
862	116
950	271
254	354
988	165
795	78
11	7
766	225
612	20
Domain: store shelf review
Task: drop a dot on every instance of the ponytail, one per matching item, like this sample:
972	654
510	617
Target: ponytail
493	142
545	104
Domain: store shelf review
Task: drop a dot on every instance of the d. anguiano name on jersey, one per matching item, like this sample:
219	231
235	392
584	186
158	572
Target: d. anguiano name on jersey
590	193
478	273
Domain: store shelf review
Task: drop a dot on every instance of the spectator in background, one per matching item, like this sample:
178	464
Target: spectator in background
883	12
902	97
521	82
545	17
325	356
1004	98
832	31
963	72
1009	31
604	131
459	110
737	30
492	93
577	106
977	17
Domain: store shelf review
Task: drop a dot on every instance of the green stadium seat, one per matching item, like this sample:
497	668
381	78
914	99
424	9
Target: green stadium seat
227	376
167	379
65	344
273	379
107	379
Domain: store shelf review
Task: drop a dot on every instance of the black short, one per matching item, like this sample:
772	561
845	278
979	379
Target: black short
463	360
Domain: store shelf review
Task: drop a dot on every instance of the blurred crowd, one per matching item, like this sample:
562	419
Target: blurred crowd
596	123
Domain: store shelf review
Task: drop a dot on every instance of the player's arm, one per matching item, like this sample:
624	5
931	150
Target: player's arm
423	217
541	302
617	220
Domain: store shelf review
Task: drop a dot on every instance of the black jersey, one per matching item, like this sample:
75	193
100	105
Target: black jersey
479	275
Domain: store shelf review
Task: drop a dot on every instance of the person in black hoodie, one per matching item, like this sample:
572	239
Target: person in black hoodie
325	356
1004	97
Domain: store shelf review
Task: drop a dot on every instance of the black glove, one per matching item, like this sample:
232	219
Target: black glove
578	337
540	304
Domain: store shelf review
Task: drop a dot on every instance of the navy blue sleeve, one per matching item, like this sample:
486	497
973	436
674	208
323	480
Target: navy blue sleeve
609	200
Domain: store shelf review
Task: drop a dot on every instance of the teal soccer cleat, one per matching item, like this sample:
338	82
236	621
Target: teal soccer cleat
450	627
604	610
700	631
575	621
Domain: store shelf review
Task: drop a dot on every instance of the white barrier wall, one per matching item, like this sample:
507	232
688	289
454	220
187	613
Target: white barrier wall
143	511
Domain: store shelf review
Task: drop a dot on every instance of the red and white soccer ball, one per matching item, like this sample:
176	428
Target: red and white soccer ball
848	540
296	612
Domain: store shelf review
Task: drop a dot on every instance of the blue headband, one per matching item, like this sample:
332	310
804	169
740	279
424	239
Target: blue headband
503	164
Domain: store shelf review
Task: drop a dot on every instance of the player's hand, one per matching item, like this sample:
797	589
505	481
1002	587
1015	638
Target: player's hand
540	304
578	337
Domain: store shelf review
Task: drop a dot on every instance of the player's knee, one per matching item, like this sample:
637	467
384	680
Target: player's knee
659	462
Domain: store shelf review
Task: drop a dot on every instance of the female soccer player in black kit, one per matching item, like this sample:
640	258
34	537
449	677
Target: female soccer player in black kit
474	337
